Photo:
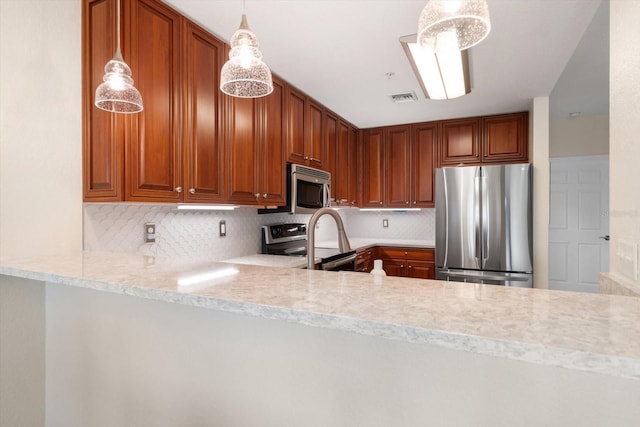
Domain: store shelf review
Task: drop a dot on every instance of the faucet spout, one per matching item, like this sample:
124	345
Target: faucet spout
343	240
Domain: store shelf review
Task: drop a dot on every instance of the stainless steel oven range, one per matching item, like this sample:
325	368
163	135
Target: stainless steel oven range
290	239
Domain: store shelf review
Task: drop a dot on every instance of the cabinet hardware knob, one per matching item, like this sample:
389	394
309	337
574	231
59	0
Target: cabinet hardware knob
401	265
178	189
407	202
257	195
264	196
314	159
192	191
380	202
306	157
405	253
411	266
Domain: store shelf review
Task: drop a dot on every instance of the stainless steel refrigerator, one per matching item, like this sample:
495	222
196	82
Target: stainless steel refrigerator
484	225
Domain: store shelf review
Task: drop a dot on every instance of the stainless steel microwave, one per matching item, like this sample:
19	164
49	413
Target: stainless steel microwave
308	190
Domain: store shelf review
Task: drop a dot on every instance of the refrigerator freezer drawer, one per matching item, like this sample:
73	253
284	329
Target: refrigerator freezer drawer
518	280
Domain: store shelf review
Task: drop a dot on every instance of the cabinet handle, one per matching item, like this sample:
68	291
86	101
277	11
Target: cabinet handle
264	196
257	195
353	202
178	189
192	191
314	160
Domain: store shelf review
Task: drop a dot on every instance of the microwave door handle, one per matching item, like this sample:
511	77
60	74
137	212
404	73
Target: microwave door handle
327	195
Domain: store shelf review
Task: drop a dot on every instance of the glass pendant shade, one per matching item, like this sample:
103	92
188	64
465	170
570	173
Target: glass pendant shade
117	93
244	75
465	20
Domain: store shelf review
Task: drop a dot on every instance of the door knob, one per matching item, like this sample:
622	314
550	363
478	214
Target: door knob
605	237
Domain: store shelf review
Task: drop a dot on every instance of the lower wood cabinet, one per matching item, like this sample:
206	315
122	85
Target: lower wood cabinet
364	260
407	262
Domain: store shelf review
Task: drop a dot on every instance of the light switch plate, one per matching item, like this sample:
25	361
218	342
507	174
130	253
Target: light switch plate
385	223
223	228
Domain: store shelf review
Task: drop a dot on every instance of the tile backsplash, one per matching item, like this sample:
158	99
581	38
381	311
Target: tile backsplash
119	227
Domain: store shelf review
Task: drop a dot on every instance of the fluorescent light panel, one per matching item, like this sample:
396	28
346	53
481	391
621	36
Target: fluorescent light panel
442	75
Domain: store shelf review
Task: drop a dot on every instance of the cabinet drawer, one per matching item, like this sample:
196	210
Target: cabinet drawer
407	253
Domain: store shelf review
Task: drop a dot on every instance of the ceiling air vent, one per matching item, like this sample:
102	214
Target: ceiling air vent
404	97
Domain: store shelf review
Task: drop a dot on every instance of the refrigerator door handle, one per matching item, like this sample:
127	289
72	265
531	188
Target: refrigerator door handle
476	218
485	219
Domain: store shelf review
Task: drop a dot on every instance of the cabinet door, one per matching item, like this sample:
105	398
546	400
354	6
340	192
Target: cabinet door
372	168
331	147
242	145
397	166
505	138
394	267
152	151
103	132
295	125
420	269
203	147
342	170
459	142
355	166
271	151
314	147
423	164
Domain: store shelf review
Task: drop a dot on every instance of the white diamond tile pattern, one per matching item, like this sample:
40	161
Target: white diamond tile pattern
119	227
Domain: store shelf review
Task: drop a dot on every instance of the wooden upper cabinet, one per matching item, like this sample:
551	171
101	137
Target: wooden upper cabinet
397	150
242	145
255	154
304	129
340	184
295	103
272	147
153	150
372	167
505	138
490	139
103	132
202	124
330	128
423	149
460	142
314	148
355	166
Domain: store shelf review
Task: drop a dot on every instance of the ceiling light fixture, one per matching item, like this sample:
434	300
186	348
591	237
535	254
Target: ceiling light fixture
116	93
465	21
244	75
442	74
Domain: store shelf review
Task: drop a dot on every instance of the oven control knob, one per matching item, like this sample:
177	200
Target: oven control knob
276	231
302	228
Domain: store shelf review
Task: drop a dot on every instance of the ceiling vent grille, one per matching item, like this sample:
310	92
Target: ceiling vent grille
399	98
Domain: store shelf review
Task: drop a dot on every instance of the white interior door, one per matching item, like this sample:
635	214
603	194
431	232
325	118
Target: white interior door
578	222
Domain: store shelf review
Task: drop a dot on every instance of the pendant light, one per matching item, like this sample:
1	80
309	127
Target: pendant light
467	21
244	75
117	93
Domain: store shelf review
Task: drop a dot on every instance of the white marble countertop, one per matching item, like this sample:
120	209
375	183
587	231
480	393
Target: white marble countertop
588	332
361	243
271	260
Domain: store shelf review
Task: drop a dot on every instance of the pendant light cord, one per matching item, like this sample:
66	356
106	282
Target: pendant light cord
118	22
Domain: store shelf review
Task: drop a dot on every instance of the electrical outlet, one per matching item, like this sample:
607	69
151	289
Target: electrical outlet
385	223
149	232
223	228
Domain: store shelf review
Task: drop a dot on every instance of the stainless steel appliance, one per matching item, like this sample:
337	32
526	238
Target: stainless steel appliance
290	239
484	225
308	190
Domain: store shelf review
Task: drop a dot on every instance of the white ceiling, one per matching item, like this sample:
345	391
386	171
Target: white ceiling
339	52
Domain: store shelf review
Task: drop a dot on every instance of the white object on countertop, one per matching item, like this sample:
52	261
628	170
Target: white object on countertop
377	268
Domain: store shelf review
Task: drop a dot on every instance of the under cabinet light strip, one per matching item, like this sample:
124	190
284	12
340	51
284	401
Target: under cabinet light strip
206	207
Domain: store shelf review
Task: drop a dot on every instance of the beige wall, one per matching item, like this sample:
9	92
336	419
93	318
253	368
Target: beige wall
624	137
579	136
40	127
539	156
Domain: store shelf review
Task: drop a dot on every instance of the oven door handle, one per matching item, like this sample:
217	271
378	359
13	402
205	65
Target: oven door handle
337	263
